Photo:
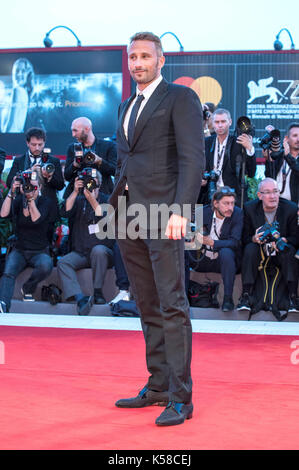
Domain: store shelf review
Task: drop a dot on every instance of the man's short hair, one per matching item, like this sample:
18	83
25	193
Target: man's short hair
148	36
35	132
222	111
265	180
292	126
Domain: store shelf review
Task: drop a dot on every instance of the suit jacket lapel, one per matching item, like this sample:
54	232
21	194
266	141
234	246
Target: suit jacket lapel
153	102
122	115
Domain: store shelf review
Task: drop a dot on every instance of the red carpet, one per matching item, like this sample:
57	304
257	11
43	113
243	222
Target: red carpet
58	388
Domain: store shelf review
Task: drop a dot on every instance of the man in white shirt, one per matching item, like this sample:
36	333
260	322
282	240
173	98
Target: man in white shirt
224	157
285	167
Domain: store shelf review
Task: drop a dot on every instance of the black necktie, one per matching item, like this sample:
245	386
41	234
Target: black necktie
133	116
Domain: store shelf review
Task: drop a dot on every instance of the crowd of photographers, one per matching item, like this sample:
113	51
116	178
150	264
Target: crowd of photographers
238	235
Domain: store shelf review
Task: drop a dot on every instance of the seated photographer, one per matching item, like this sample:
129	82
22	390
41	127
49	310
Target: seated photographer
221	240
224	158
88	249
89	151
270	231
283	164
48	168
31	214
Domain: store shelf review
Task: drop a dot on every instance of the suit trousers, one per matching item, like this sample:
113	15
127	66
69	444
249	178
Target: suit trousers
99	259
155	269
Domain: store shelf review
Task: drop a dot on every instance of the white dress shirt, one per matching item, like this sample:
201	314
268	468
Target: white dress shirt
147	93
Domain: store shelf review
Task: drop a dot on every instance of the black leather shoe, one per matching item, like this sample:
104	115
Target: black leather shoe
175	413
144	398
84	305
98	297
228	304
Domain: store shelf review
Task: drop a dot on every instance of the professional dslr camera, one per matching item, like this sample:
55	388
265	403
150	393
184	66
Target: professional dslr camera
244	126
271	141
271	234
49	167
211	177
25	178
88	176
83	155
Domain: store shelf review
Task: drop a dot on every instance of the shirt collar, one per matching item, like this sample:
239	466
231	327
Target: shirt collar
149	90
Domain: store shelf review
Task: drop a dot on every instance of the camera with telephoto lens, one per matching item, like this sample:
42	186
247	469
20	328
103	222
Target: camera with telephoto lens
25	178
211	177
88	176
48	166
271	234
271	141
83	155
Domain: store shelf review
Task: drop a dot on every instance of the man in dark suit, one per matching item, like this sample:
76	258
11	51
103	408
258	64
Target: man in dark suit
222	227
102	151
160	160
37	159
224	156
269	208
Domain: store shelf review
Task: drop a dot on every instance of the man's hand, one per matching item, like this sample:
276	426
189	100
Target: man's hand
78	185
205	239
176	227
256	237
286	145
246	141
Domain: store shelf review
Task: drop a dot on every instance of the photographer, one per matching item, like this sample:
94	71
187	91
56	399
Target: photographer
224	158
88	249
93	152
48	169
31	214
277	217
223	223
283	165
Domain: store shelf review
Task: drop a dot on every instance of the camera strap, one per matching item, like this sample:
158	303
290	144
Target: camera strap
285	174
220	154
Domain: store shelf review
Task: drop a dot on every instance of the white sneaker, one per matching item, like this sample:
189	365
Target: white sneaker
122	295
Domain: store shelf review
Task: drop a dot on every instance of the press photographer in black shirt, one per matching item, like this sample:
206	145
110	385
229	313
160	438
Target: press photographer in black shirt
31	214
92	152
48	168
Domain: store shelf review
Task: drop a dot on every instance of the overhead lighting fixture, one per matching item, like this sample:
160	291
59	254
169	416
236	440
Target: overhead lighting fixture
175	36
48	41
278	46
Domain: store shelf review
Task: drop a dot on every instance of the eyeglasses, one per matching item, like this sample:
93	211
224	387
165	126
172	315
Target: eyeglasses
275	191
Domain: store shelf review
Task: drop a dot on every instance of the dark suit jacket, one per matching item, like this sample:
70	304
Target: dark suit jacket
165	161
272	169
231	230
232	168
48	188
286	216
104	149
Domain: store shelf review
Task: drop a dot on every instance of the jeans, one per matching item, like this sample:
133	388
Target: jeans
16	262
